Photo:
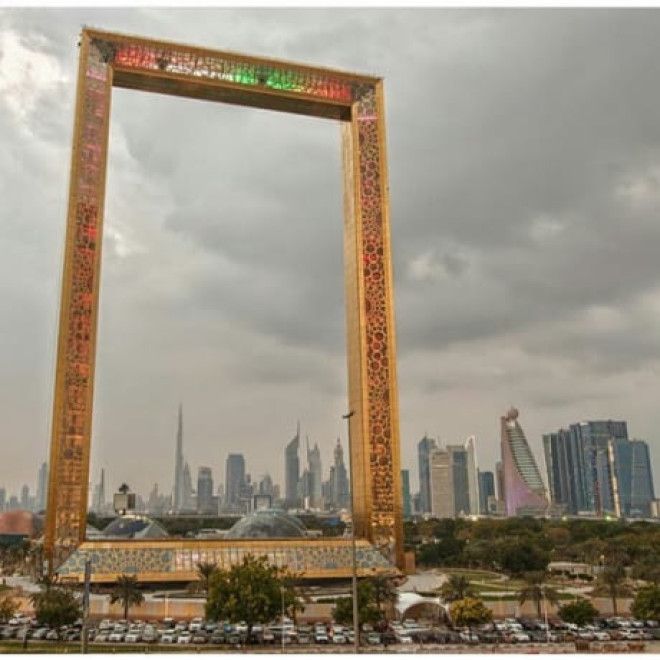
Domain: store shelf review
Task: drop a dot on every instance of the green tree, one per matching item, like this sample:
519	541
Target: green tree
8	607
647	603
384	594
613	578
536	591
251	591
368	611
56	607
127	593
516	556
579	612
205	570
469	612
648	568
457	587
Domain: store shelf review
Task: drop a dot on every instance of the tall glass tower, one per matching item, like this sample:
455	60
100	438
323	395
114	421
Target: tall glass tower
524	490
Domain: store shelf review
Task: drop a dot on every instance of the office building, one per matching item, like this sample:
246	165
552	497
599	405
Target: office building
339	485
424	449
234	481
442	484
292	472
207	503
632	478
189	503
524	491
486	490
42	488
472	478
315	477
578	465
405	490
594	437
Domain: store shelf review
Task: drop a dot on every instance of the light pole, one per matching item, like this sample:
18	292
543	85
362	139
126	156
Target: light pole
545	614
356	622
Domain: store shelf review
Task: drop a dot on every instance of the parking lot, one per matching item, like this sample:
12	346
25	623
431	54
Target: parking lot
516	634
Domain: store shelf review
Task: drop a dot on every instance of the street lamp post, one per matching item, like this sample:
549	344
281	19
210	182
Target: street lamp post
356	622
545	614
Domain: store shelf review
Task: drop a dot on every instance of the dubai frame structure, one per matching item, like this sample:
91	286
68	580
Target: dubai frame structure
356	102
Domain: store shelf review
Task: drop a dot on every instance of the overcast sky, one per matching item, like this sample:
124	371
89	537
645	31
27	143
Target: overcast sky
524	159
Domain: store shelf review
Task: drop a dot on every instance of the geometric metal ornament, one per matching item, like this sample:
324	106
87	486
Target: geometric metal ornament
110	60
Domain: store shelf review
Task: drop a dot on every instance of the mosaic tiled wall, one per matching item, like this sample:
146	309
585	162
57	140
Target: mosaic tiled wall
178	563
103	54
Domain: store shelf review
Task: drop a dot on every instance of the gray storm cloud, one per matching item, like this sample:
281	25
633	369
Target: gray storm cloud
524	153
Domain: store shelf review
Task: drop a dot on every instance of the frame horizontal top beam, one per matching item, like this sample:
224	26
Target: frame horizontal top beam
210	90
228	54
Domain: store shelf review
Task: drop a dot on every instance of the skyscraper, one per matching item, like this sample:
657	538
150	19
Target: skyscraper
578	465
179	463
98	504
486	490
42	487
292	471
405	490
632	479
315	476
523	487
188	503
424	449
592	438
25	498
442	484
458	460
234	481
472	484
339	480
206	502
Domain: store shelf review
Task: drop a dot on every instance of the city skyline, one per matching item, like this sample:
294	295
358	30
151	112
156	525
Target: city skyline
501	296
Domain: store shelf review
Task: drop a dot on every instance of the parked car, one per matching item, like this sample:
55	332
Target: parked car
52	635
218	637
168	638
518	637
338	638
320	637
199	638
373	638
184	638
132	637
116	637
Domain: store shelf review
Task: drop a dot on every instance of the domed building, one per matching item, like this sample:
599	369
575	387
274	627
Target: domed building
267	524
134	526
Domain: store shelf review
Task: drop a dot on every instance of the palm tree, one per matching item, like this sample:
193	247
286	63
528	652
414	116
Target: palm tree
536	591
205	570
613	577
457	587
127	593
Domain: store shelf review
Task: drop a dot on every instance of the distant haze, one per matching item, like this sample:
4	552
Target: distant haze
524	160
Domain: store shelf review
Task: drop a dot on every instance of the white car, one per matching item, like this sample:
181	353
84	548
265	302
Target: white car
196	625
167	638
184	638
338	638
602	636
404	639
116	637
320	637
52	635
520	637
132	638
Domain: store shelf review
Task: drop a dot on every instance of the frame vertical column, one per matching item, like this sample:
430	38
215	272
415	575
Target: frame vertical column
76	348
371	343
